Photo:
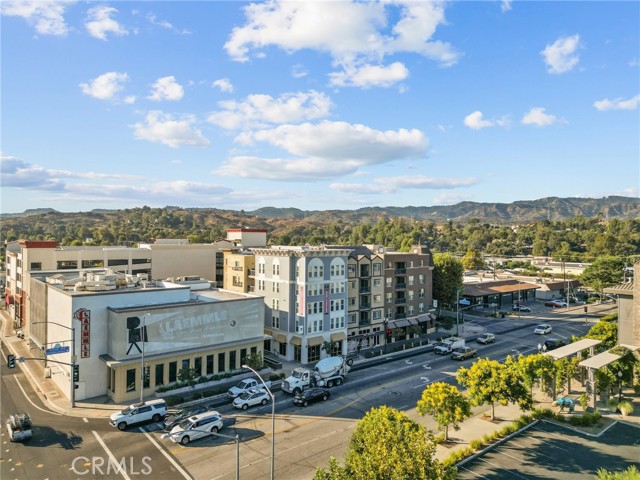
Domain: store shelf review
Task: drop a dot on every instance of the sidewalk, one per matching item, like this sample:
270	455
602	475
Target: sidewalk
47	390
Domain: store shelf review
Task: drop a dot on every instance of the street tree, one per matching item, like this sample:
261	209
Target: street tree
385	445
447	278
537	369
603	272
605	331
490	382
446	404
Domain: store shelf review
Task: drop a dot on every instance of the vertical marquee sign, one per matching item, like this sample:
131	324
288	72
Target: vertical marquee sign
84	316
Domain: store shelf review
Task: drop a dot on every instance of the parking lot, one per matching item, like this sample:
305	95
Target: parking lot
550	451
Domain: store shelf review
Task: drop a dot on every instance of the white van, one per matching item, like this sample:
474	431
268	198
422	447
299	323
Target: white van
198	426
153	410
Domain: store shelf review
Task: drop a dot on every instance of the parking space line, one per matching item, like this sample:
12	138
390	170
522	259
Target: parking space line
501	468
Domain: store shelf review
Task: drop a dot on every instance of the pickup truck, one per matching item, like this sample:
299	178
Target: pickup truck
463	353
244	386
19	427
447	345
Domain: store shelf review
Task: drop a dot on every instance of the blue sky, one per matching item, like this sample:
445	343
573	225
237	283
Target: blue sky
317	105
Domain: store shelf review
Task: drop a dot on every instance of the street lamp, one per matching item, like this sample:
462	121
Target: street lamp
273	422
72	396
143	332
619	386
386	323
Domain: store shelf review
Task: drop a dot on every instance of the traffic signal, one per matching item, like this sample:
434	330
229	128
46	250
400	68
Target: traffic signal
11	361
585	309
76	373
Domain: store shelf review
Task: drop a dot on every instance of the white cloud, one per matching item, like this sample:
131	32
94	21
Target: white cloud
105	86
163	128
450	199
166	88
46	17
355	34
298	71
322	151
224	84
394	184
262	110
505	5
153	20
561	55
341	141
617	104
366	76
129	99
99	22
476	121
537	116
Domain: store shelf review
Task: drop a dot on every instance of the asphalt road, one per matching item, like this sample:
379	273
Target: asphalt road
72	448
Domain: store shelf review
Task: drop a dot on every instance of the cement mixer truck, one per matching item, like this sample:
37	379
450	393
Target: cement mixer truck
328	372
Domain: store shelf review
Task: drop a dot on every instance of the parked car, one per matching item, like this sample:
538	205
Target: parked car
311	395
463	353
255	396
195	427
151	411
486	338
174	417
542	329
521	308
555	303
553	343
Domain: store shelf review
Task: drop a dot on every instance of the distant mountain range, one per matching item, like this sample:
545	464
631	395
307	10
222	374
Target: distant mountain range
550	208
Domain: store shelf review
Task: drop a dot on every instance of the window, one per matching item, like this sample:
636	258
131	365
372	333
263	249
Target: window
232	360
67	265
275	304
352	318
261	267
377	298
173	371
352	270
313	353
131	379
197	366
389	296
377	282
421	308
389	282
221	366
352	301
411	280
117	262
243	356
376	314
209	364
276	287
421	279
421	293
410	294
36	265
146	376
275	321
377	268
410	309
138	261
186	364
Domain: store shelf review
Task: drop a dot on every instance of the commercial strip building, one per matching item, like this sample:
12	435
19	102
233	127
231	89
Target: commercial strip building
122	327
499	293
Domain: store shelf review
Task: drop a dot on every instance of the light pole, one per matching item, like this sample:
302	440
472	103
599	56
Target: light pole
142	339
619	386
457	311
273	422
72	395
386	324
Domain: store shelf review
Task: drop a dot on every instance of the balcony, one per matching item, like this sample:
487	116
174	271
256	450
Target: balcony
400	301
238	284
398	316
401	271
237	269
365	305
400	286
364	290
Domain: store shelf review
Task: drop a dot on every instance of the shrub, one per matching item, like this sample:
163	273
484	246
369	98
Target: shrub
584	401
476	444
174	400
626	408
612	403
438	439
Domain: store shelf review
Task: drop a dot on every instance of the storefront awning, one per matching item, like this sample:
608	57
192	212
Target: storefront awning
314	341
280	337
296	341
336	337
405	322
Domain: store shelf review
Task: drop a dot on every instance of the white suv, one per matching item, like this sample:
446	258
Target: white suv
198	426
153	410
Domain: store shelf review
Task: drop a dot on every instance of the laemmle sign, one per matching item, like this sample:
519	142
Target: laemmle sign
84	316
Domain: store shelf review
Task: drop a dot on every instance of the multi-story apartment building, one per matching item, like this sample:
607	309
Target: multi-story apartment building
305	296
239	270
388	292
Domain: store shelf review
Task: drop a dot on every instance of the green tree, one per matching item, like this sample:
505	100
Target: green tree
605	331
603	272
386	445
254	360
447	278
446	404
537	369
187	375
489	381
631	473
473	260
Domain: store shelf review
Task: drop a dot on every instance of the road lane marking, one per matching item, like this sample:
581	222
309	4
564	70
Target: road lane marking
27	397
85	420
116	465
167	456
